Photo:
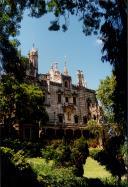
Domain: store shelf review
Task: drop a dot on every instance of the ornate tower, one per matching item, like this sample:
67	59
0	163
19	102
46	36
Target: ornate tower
81	81
33	62
55	75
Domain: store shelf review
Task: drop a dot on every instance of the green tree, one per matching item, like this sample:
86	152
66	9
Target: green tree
79	154
30	105
114	160
8	87
105	94
96	131
21	101
10	17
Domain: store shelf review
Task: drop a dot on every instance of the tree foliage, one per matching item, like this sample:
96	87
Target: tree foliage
105	94
79	154
95	133
94	128
21	102
29	104
8	87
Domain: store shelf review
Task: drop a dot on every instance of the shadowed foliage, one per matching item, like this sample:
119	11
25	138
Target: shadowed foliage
13	176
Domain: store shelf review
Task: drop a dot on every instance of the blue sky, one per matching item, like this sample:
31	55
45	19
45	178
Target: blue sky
82	52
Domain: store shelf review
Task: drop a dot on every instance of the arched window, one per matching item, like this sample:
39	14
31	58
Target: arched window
76	119
66	84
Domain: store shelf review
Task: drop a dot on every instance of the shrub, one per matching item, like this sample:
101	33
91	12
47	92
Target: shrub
13	144
93	152
18	158
60	154
15	170
6	151
74	154
79	154
30	149
51	175
49	153
20	161
113	145
63	153
113	164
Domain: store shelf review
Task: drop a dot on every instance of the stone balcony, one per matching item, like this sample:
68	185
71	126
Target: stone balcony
68	104
65	126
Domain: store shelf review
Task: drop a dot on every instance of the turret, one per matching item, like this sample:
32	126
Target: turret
33	62
54	73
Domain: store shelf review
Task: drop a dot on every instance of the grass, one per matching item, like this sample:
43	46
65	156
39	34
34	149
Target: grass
38	162
93	169
48	173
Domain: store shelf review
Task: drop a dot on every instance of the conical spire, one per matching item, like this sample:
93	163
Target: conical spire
65	68
33	45
33	48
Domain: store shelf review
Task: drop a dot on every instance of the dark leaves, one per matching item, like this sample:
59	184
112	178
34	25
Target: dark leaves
54	26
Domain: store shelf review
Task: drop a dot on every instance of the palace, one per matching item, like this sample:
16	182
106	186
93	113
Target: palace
67	104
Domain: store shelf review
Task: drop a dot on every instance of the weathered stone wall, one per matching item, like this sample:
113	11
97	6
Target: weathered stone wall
68	110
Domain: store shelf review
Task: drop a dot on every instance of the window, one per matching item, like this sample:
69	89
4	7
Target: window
60	117
66	99
76	119
74	100
84	119
94	117
88	102
89	115
66	84
59	98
